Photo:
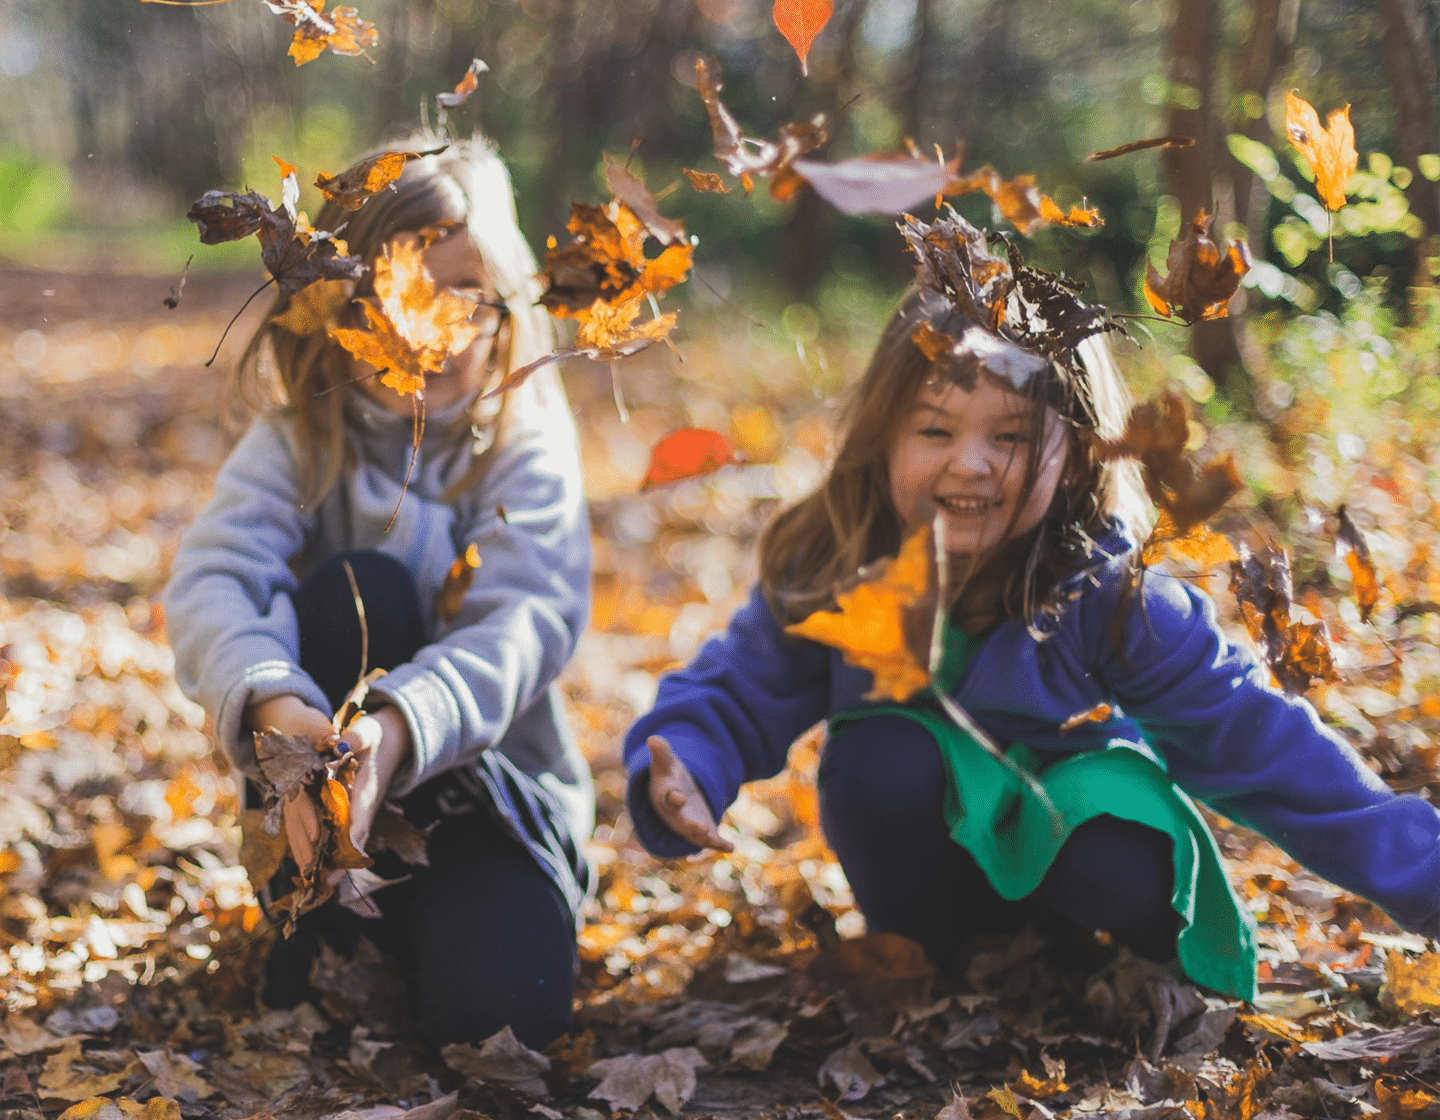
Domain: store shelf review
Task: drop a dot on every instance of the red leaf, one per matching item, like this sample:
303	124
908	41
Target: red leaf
688	453
800	21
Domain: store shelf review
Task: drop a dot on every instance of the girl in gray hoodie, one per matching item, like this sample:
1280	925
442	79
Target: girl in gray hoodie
465	729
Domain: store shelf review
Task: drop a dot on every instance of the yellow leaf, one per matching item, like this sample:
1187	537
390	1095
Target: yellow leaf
1330	151
458	579
1413	986
315	308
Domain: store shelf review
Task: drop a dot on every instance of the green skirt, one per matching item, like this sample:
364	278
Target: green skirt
1014	837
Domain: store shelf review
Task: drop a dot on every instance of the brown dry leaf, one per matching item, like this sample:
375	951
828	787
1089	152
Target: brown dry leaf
341	31
261	853
609	331
1142	145
1037	1089
1412	986
630	1080
1157	433
456	585
1330	151
746	158
1201	278
1199	545
1399	1102
413	327
1098	714
957	1109
369	176
315	308
286	763
393	831
1296	653
631	192
849	1072
1020	202
606	262
705	181
67	1077
177	1076
502	1059
1362	567
883	623
464	88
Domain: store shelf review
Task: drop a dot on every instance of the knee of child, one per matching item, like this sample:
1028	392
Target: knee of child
537	1010
884	768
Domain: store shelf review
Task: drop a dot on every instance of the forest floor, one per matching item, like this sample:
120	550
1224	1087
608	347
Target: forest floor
735	986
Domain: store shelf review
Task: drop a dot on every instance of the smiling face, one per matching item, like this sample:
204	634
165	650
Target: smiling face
969	453
453	262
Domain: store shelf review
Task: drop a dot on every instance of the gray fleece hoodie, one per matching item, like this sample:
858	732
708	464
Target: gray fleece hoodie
485	678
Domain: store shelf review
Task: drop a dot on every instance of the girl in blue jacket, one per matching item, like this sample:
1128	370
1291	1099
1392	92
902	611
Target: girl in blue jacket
465	730
938	840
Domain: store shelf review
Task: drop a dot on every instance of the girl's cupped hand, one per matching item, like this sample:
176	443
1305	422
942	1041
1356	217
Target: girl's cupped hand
678	800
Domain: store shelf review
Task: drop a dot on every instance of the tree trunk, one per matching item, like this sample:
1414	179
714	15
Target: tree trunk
1268	46
1190	173
1411	65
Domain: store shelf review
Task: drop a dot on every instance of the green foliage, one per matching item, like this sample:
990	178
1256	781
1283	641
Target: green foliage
34	193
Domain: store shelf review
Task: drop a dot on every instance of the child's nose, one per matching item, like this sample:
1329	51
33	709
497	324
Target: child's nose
972	459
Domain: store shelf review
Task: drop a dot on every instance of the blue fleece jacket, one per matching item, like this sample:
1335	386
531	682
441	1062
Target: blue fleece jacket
1205	707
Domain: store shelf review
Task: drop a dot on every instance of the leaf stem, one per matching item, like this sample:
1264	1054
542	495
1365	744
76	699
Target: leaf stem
243	306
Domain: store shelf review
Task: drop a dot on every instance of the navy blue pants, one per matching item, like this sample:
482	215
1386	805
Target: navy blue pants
882	808
483	935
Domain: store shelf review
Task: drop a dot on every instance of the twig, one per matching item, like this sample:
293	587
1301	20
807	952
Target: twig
364	627
418	405
243	306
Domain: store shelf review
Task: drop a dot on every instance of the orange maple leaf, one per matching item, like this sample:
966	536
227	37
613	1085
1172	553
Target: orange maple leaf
369	176
1362	567
1020	202
412	327
1330	151
341	32
800	21
687	453
1201	279
606	261
884	622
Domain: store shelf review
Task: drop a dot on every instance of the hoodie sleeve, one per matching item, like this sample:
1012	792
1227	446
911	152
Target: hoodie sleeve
730	716
228	607
530	599
1263	758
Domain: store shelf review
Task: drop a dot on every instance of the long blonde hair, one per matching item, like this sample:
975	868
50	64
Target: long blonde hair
302	377
819	543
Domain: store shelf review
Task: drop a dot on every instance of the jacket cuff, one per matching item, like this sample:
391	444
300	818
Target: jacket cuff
432	716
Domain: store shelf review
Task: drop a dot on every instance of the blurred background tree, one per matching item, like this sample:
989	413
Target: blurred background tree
115	114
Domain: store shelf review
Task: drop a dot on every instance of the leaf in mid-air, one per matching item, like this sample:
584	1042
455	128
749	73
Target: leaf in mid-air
884	623
800	21
1329	150
633	193
369	176
1156	434
456	584
606	261
412	327
1020	202
315	308
464	88
744	157
705	181
687	453
884	184
1201	278
1362	567
341	31
1199	545
1142	145
1296	652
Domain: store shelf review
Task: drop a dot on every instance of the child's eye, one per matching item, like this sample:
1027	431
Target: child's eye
935	433
1013	437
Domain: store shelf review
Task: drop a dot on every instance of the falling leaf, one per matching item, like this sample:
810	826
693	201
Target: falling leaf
172	301
1020	202
633	193
706	181
227	216
1198	545
413	327
687	453
1330	151
1296	652
884	622
1412	986
606	262
464	88
886	184
800	21
1362	567
744	157
456	585
1142	145
369	176
1098	714
315	308
630	1080
341	32
1157	434
1201	279
502	1059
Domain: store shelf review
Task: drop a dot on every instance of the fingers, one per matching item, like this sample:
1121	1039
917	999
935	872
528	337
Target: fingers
678	800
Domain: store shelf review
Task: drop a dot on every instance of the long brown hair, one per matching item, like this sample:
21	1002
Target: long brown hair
302	377
819	543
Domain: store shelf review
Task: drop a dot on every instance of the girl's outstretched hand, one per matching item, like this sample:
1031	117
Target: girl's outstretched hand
675	796
290	715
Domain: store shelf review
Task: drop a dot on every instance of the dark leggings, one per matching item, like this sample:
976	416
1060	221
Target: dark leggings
882	796
483	935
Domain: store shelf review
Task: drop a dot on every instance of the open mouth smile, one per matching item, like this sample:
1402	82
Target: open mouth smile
969	505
